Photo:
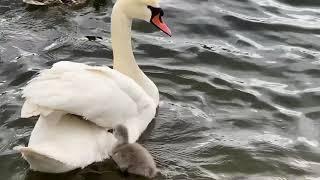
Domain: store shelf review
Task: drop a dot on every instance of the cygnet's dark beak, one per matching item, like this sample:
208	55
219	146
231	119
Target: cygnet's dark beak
156	19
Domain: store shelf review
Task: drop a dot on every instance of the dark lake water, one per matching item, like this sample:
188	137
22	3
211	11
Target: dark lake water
239	84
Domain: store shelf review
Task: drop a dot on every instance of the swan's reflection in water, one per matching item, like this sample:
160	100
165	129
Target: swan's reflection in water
98	171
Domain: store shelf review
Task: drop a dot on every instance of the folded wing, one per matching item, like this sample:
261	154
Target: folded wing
99	94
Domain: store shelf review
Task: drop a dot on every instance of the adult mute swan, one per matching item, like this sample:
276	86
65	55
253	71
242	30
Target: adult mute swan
78	103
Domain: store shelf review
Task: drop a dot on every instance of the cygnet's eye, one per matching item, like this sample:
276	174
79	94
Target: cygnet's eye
110	131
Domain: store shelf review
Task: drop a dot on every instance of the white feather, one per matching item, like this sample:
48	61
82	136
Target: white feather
67	145
99	94
29	110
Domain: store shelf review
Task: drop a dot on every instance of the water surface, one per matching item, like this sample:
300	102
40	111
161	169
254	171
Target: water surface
239	84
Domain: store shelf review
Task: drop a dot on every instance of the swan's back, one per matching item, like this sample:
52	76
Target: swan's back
99	94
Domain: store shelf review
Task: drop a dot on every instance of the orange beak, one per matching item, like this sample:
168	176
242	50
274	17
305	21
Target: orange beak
159	23
156	19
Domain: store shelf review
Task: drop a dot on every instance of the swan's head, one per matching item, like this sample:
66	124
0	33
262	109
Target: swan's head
148	10
120	132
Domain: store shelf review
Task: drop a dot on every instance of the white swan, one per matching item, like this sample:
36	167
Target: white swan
78	103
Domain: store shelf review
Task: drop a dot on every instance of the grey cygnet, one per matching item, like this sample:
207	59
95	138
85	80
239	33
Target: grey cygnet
132	157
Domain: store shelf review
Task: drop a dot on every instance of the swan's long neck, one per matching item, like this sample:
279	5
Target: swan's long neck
123	58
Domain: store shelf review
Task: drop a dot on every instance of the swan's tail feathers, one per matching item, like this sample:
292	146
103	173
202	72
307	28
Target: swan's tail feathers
29	109
42	162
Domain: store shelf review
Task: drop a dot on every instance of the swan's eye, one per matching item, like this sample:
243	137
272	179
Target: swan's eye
110	131
156	11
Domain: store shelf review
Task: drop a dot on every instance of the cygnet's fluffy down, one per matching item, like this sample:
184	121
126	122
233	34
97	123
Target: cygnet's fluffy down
132	157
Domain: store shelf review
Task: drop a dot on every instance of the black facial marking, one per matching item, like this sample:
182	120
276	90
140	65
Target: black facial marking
156	11
110	131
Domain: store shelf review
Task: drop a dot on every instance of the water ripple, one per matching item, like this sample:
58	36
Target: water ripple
239	84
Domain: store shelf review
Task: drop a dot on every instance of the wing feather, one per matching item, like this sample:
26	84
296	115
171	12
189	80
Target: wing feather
99	94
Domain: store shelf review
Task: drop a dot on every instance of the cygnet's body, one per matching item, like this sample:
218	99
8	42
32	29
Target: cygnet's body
132	157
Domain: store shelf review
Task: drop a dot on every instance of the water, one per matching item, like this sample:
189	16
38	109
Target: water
239	84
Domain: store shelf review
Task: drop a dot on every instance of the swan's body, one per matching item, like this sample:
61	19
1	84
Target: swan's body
78	103
69	144
132	157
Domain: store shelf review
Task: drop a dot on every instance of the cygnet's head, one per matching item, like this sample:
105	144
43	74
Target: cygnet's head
121	133
148	10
